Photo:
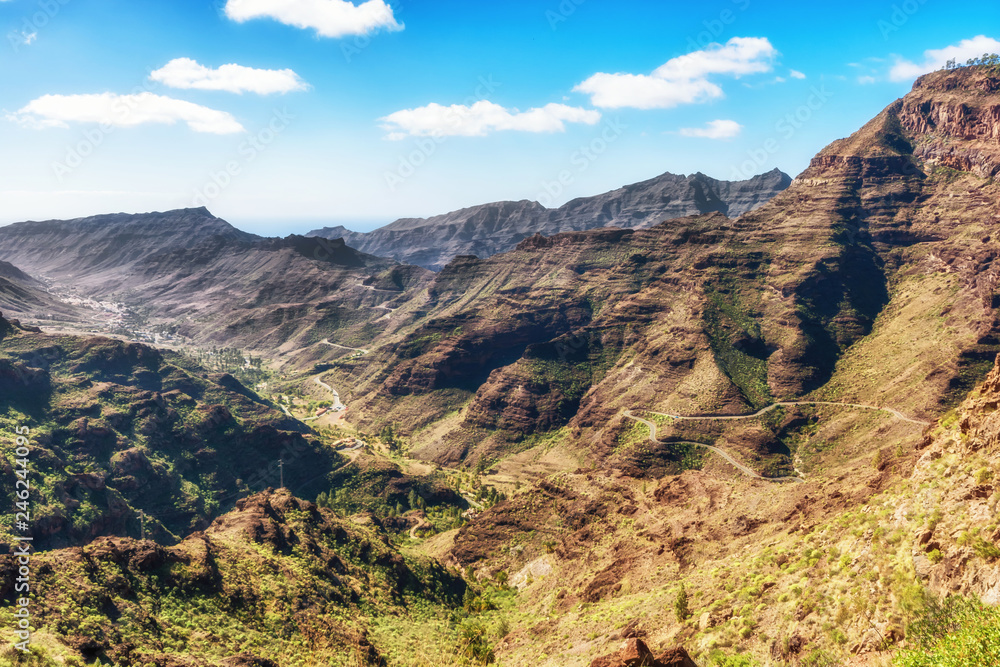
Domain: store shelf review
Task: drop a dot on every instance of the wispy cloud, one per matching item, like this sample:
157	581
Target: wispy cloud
684	79
716	129
21	37
795	74
186	73
905	70
122	111
481	119
329	18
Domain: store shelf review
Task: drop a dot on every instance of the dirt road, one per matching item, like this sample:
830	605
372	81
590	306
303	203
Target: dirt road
736	464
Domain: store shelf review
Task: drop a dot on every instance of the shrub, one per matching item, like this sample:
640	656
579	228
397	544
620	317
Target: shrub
986	550
474	644
956	633
681	607
719	659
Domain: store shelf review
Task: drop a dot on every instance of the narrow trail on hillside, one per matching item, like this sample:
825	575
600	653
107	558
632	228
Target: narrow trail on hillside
421	523
326	341
736	464
774	406
739	466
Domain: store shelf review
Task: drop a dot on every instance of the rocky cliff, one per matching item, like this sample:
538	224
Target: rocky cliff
807	296
489	229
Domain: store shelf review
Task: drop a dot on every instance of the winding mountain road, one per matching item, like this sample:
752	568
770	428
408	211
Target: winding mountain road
421	523
326	341
336	394
736	464
774	406
739	466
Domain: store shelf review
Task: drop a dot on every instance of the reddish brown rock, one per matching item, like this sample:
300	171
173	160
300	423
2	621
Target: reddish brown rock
635	653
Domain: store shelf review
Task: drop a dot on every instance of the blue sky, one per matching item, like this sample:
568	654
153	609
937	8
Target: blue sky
285	115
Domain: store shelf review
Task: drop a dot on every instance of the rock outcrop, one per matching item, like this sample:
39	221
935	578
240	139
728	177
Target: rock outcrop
635	653
707	314
489	229
956	114
286	572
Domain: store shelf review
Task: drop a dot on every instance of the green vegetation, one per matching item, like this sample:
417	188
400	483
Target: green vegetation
989	61
956	633
241	589
719	659
681	608
739	347
245	367
119	428
474	643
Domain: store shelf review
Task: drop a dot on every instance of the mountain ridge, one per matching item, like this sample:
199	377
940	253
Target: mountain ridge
489	229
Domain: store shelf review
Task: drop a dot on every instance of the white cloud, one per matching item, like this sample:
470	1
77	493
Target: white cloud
934	59
329	18
187	73
21	36
681	80
795	74
866	80
716	129
482	118
122	111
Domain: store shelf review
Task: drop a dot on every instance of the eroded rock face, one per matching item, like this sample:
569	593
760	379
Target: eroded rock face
490	229
710	314
959	553
635	653
959	105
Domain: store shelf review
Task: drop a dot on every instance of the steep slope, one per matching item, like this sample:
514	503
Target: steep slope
88	251
187	272
276	581
862	559
494	228
269	294
24	296
119	429
870	280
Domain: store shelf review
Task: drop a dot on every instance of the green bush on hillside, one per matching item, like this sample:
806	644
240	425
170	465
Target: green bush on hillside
956	633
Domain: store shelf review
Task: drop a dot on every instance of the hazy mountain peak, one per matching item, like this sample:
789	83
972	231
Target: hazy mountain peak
488	229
